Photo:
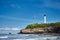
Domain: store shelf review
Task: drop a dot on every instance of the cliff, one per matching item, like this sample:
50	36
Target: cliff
34	30
38	31
41	28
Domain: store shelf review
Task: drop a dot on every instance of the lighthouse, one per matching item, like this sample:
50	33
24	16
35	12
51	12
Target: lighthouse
44	18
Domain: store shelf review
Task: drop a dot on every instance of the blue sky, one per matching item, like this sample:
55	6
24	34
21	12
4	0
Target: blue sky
20	13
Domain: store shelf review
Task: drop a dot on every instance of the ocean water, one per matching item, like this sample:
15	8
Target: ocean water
28	37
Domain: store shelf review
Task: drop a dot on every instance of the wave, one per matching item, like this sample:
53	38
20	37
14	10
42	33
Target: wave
3	36
45	38
25	35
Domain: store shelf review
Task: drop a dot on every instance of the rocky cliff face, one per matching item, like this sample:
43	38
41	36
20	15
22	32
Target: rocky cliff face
39	30
34	30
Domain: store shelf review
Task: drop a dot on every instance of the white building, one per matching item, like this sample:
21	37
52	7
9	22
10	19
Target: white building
44	18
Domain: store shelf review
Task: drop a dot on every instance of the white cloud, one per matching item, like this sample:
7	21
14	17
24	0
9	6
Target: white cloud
52	4
6	28
35	17
14	18
48	3
15	6
12	5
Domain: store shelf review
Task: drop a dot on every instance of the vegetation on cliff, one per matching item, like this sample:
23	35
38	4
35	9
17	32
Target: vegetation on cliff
49	25
42	28
54	27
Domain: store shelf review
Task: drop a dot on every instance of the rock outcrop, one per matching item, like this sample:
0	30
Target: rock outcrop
38	31
34	30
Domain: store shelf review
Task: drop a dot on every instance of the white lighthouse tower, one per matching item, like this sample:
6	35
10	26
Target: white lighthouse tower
44	18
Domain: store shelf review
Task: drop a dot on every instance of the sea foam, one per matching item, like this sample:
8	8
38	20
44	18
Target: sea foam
3	36
45	38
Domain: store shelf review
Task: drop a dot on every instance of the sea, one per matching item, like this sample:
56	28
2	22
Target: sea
28	37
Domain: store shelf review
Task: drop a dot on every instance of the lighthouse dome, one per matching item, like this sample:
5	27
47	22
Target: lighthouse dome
44	14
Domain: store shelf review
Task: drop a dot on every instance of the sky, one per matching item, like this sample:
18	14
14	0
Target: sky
17	14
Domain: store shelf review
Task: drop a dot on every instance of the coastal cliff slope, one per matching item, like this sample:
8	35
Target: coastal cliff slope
41	28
